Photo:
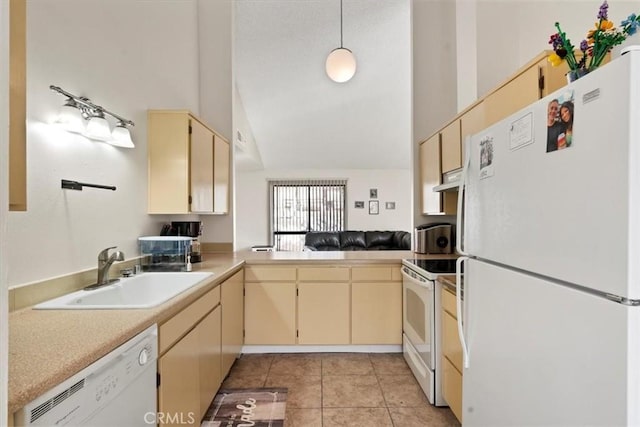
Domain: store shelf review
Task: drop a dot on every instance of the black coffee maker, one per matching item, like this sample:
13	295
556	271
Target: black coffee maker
191	229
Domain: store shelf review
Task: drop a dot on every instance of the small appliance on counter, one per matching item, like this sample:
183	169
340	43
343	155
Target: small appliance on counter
191	229
165	253
434	239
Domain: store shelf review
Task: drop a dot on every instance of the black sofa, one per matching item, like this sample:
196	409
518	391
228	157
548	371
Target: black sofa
357	241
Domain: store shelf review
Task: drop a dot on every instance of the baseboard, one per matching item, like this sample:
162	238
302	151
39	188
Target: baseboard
394	348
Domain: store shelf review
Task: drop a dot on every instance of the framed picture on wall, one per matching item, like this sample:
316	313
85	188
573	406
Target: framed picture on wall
373	207
373	193
359	205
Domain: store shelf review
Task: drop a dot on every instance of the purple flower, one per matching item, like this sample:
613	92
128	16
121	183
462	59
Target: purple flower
602	13
584	45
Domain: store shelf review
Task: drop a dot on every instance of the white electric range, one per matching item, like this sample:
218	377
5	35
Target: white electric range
421	323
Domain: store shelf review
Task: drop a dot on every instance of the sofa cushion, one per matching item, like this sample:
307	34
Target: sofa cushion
353	241
357	240
380	240
402	240
322	241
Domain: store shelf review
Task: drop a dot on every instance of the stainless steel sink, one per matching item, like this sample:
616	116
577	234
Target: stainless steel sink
145	290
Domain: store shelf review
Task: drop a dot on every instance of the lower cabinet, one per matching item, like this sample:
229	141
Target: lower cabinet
376	313
232	301
324	313
210	362
270	313
179	390
323	305
190	360
451	355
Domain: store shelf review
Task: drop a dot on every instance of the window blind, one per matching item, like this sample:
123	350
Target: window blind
300	206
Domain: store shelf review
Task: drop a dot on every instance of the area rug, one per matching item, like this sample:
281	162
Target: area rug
249	407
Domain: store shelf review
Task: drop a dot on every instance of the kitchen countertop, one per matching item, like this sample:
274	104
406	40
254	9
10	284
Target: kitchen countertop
48	346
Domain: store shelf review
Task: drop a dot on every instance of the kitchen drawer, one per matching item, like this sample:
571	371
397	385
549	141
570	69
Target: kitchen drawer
451	347
267	274
372	274
449	302
452	388
324	274
173	329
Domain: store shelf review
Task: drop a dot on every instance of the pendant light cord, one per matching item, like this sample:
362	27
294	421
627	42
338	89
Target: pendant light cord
341	24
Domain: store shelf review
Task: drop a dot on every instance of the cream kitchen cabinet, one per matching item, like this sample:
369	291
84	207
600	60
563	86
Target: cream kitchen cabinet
232	301
323	305
210	362
17	105
189	363
188	165
324	313
451	147
376	305
221	175
324	290
472	121
430	175
433	203
451	355
533	81
270	305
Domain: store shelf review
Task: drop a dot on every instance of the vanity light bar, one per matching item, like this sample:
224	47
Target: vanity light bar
86	104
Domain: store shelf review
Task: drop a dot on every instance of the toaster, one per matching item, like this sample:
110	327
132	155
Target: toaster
434	239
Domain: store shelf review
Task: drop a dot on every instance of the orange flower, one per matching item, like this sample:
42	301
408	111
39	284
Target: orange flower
605	25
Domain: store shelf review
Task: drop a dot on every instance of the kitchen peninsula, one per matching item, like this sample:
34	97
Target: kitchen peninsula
76	338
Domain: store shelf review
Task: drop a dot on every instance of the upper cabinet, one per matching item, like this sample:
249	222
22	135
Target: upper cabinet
189	165
430	175
451	147
17	106
535	80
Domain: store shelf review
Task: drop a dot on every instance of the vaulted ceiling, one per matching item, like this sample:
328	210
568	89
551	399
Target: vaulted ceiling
299	117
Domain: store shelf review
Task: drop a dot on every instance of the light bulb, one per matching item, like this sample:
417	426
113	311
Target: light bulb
121	137
341	65
70	118
98	128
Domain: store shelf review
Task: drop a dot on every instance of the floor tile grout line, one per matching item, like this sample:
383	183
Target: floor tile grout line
322	392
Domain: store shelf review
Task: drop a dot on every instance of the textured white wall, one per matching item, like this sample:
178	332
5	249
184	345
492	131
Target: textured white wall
128	56
510	33
392	185
435	98
216	91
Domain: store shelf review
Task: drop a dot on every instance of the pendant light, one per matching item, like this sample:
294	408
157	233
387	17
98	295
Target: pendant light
341	63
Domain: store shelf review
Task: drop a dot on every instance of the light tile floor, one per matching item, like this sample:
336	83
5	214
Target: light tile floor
342	389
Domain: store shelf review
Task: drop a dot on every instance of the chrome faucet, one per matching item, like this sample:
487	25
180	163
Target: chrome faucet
104	264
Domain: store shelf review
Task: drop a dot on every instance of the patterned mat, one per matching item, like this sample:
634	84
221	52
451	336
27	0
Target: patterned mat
252	407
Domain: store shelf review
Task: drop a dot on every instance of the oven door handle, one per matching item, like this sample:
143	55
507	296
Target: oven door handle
463	340
416	279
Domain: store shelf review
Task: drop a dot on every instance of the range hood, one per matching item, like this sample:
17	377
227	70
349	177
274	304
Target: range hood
450	181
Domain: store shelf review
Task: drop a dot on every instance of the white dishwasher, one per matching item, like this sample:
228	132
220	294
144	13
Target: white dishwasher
119	389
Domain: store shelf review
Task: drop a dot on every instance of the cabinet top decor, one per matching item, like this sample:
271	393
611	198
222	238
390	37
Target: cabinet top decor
598	42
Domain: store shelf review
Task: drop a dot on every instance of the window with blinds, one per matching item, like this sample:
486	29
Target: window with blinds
298	207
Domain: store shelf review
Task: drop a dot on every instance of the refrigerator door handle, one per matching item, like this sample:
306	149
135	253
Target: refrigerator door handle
461	188
459	285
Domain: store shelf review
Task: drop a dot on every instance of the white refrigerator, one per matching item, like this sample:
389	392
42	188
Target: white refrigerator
550	321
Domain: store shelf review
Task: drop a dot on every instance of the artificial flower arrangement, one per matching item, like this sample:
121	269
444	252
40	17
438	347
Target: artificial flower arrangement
599	41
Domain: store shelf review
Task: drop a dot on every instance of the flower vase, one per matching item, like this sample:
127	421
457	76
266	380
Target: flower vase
574	75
